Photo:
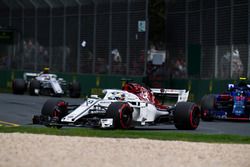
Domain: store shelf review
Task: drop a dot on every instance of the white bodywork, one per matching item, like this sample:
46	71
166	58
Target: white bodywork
47	81
143	110
180	94
231	86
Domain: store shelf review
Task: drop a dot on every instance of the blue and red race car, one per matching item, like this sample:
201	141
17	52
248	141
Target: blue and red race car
234	104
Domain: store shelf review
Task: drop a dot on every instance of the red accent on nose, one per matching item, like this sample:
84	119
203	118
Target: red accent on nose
60	104
248	99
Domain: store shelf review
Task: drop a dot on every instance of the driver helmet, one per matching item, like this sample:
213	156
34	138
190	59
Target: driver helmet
242	82
120	96
46	70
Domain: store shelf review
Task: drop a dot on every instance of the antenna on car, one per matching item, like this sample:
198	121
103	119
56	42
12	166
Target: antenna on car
126	80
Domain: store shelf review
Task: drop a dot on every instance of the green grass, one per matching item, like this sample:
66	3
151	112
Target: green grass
156	135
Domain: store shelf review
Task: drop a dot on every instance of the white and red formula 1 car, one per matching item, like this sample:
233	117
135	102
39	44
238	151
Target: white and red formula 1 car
45	84
134	105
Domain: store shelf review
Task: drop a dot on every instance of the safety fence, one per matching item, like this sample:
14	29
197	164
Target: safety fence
204	38
83	36
209	39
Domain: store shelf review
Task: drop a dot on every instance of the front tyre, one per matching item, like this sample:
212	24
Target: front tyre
186	116
121	113
54	109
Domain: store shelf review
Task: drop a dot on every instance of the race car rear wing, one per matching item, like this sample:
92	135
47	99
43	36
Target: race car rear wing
28	76
180	94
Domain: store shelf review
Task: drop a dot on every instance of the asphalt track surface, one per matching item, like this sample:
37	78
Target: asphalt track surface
19	109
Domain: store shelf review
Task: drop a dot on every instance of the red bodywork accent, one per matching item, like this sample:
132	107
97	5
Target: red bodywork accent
192	123
205	112
248	99
240	98
241	119
144	94
57	110
61	104
225	97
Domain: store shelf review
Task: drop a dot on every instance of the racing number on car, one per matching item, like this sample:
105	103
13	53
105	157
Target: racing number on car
90	101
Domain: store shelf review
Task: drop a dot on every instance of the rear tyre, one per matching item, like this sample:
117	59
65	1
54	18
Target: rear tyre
18	86
121	113
186	116
34	85
75	90
207	105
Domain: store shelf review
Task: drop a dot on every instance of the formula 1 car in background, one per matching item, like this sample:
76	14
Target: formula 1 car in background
134	105
234	104
45	84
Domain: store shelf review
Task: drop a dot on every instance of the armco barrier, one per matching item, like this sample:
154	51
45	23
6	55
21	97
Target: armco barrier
93	84
6	77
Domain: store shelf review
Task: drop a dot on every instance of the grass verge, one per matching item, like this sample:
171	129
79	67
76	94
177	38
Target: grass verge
155	135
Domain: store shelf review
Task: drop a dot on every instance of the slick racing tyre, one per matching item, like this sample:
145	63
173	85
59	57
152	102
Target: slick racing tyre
34	85
53	105
75	90
186	116
121	113
207	104
54	109
18	86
